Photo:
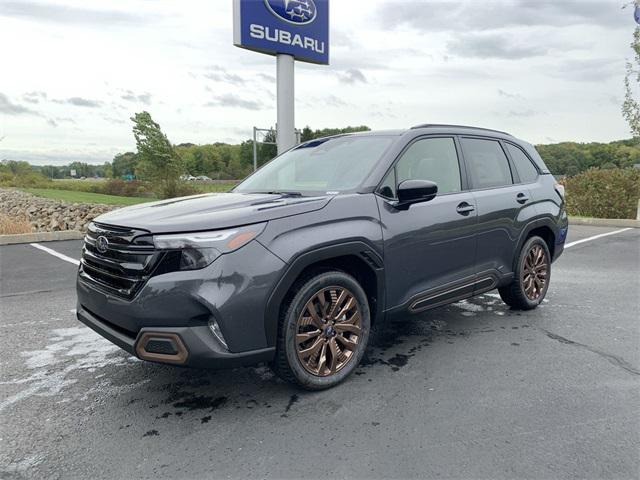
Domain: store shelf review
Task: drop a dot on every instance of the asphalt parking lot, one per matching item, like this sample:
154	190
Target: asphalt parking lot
472	390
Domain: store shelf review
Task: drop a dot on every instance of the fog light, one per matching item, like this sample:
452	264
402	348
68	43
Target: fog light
161	347
215	329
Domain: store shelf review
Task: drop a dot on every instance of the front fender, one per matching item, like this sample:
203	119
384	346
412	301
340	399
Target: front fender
348	226
360	249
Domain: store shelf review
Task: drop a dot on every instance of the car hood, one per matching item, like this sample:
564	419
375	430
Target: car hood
210	211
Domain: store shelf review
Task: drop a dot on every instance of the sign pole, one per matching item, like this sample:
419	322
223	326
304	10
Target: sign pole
292	30
286	135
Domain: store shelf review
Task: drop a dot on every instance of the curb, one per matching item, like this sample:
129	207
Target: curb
41	237
605	222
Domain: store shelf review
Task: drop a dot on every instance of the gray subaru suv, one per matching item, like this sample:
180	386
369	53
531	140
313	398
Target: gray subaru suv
298	263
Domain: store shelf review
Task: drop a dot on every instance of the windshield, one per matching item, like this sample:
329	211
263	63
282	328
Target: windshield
326	165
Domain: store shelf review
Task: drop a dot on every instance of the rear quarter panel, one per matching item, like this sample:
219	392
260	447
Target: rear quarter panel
551	207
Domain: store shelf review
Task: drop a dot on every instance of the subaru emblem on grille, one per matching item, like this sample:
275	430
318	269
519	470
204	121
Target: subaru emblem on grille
102	244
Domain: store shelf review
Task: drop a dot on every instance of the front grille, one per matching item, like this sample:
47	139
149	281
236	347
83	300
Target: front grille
123	267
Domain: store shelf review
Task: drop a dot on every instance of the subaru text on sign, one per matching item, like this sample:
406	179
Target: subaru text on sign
294	27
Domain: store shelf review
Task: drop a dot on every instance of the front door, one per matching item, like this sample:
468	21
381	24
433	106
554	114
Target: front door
429	248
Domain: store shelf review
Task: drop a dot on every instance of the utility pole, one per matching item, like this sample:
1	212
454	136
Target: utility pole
256	132
255	149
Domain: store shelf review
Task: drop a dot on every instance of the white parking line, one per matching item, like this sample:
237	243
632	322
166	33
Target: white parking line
76	262
588	239
55	254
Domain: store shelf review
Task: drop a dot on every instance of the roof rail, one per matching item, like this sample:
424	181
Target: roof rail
425	125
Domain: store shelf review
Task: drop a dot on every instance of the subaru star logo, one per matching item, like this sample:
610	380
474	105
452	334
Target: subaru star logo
102	244
297	12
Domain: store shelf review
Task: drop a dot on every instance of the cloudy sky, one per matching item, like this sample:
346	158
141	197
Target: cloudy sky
73	72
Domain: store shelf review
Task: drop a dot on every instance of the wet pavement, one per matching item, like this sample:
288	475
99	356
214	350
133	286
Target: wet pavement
471	390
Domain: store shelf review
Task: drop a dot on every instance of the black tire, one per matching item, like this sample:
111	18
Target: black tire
515	294
287	364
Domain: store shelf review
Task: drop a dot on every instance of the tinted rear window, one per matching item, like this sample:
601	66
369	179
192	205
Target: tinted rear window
527	172
487	163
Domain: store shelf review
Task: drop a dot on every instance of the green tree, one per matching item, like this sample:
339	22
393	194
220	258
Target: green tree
246	155
267	151
50	171
630	106
571	158
124	164
17	167
107	170
308	134
158	161
83	169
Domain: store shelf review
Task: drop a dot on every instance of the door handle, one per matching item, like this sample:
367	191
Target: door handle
465	209
522	198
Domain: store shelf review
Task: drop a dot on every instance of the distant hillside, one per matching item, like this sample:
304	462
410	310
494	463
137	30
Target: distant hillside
571	158
234	161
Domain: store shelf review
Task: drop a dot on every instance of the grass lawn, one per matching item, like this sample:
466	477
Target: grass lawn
85	197
88	184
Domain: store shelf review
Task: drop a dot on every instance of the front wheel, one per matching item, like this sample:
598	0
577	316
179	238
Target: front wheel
532	276
323	332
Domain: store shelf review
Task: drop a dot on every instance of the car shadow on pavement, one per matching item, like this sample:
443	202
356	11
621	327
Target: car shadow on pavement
200	395
78	365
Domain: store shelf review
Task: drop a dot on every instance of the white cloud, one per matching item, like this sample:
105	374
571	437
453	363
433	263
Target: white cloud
91	65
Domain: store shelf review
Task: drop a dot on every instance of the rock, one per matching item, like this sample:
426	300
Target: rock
49	215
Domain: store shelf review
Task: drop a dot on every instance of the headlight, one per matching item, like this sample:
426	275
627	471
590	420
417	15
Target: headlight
196	250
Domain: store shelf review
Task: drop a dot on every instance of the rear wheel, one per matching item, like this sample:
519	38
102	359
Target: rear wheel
532	276
323	332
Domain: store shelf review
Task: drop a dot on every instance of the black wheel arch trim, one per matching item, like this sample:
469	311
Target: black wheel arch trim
361	249
548	222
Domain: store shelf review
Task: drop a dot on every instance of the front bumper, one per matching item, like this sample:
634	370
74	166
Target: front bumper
203	351
232	291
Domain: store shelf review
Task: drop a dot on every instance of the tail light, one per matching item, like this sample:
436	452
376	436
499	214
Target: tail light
560	189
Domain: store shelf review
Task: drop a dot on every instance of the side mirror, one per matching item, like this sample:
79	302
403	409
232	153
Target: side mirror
416	191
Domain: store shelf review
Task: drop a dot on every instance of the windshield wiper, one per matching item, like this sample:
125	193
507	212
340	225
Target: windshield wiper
282	192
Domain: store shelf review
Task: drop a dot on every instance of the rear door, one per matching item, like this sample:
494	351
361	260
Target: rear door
500	202
429	248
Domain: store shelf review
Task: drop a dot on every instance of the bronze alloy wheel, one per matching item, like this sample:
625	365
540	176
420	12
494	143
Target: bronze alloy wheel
328	331
534	272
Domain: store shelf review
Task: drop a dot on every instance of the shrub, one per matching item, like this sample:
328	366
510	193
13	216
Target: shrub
13	226
181	189
598	193
117	187
5	178
29	179
123	188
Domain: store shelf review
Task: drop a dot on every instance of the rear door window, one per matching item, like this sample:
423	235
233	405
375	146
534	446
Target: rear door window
526	171
487	163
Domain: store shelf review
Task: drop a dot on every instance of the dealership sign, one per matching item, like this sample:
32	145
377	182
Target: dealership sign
292	27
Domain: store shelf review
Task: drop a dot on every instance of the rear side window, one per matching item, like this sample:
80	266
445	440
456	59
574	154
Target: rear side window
487	163
527	172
